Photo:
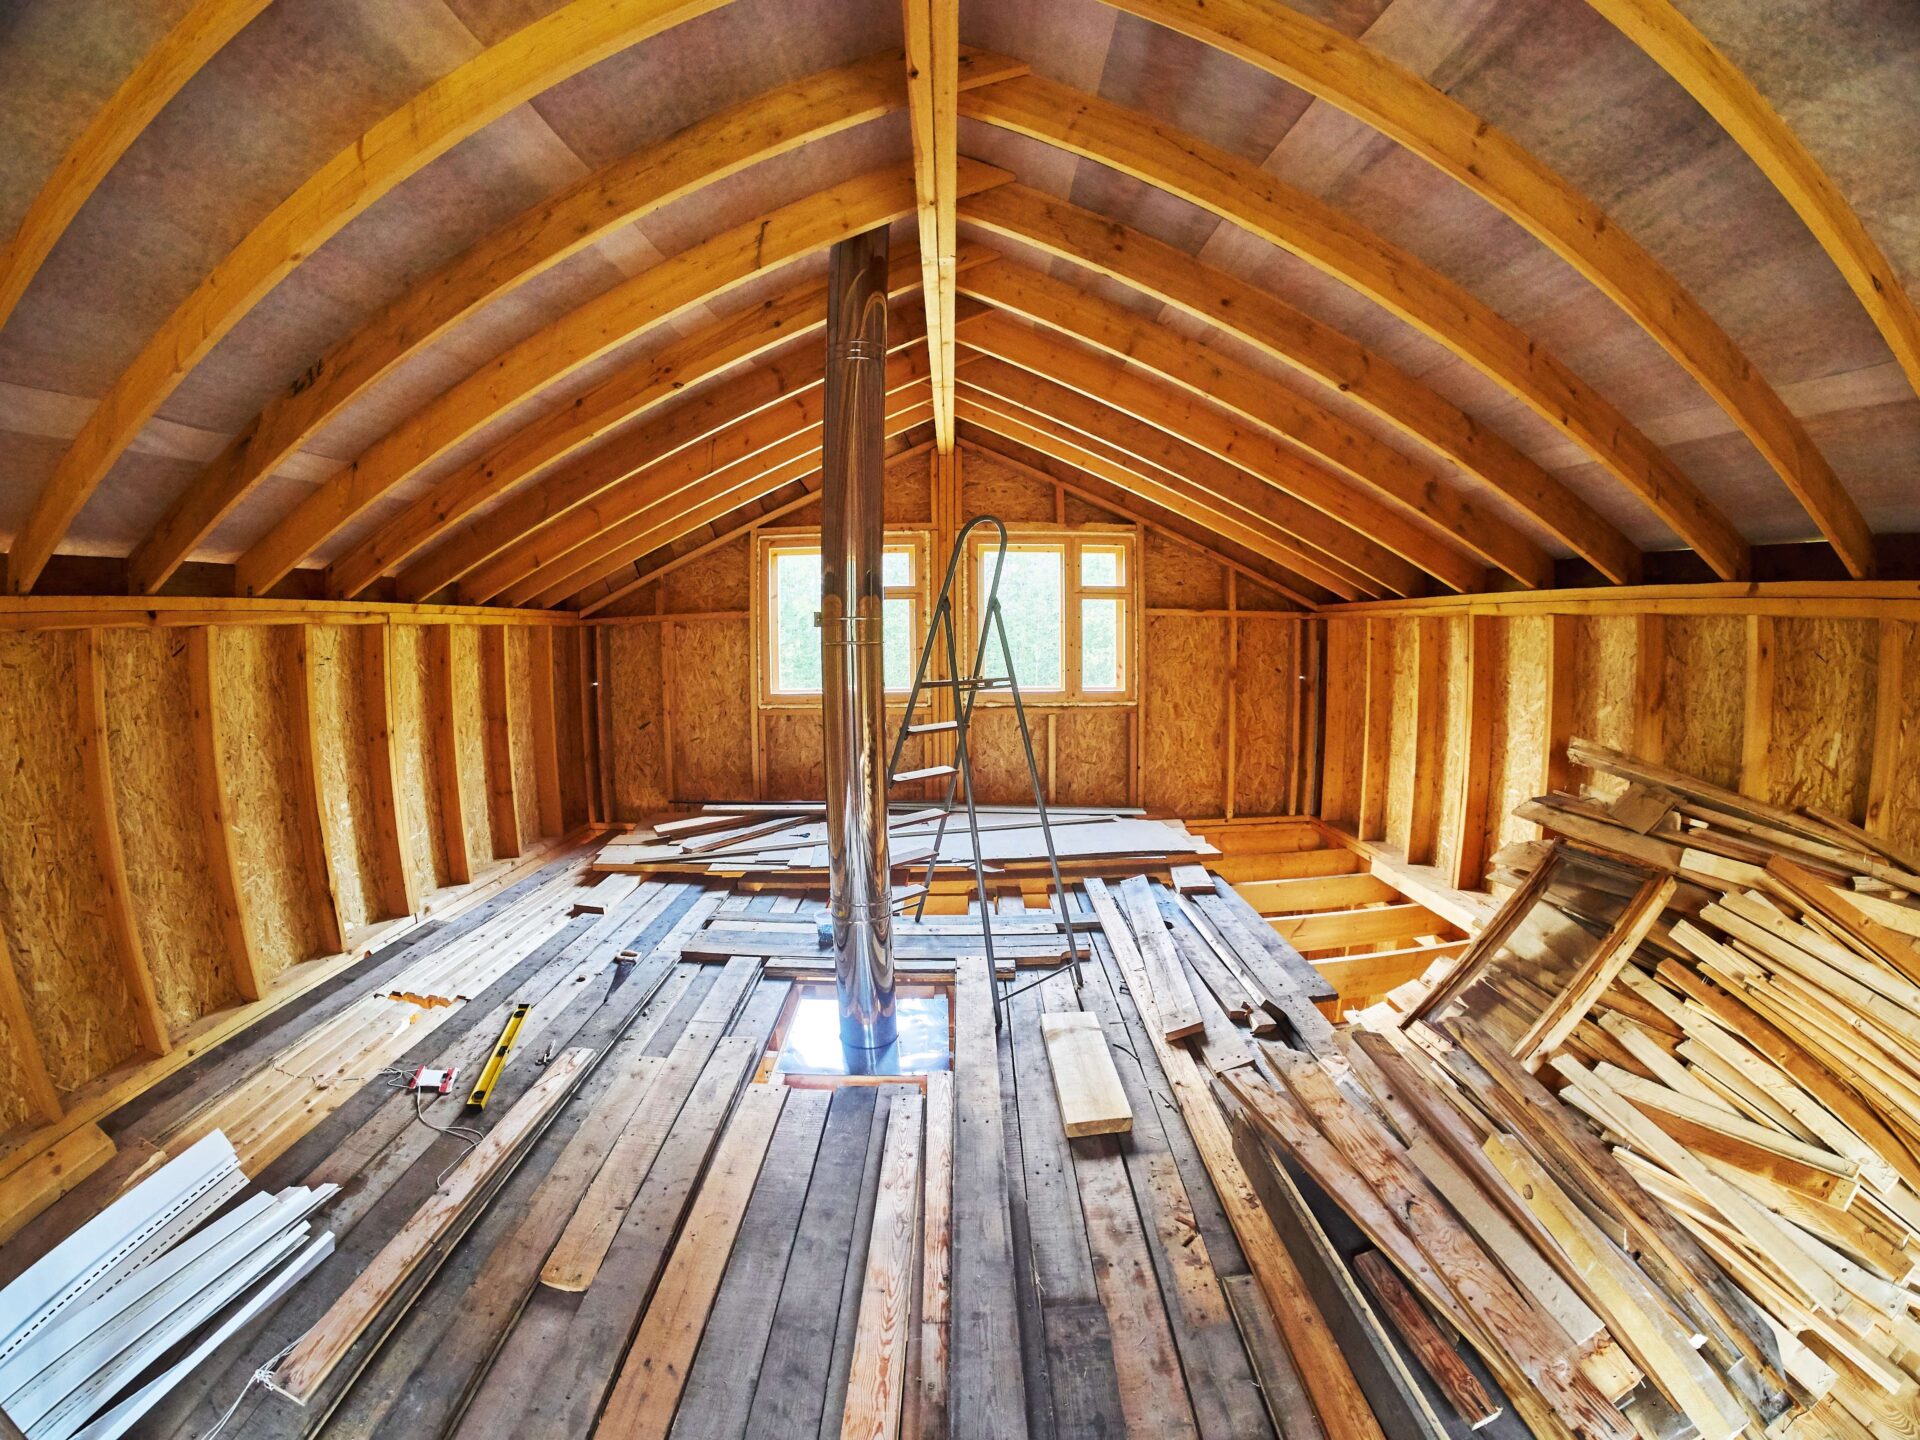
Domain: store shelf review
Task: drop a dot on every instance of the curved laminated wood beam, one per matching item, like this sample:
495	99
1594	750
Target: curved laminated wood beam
932	31
1440	130
671	524
1212	375
199	35
1037	433
529	245
1246	196
477	543
1725	93
1215	431
583	335
1318	351
692	483
472	96
1331	553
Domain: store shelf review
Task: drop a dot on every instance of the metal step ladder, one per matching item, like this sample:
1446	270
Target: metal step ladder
966	684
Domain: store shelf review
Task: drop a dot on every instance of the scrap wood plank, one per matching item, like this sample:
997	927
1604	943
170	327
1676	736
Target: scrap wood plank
1433	1350
1091	1099
1179	1014
647	1392
876	1380
1226	900
1192	879
1205	962
929	1401
1284	994
1597	972
1285	1395
602	897
1343	1408
300	1375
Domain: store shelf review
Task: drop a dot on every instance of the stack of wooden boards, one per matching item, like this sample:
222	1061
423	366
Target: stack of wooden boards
1660	1123
153	1277
789	842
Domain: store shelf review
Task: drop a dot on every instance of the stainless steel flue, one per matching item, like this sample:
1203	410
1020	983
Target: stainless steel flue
852	660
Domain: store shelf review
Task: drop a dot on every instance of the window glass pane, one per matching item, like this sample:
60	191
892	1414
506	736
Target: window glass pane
796	640
896	569
900	645
1100	565
1100	644
1032	602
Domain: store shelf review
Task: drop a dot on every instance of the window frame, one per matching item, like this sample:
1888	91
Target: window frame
768	544
1070	541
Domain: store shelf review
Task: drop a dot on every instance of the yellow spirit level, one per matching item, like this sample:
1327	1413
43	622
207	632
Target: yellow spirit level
489	1073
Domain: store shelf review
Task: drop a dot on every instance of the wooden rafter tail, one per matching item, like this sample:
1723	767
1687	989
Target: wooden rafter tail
552	49
1214	376
1310	348
1401	105
1245	195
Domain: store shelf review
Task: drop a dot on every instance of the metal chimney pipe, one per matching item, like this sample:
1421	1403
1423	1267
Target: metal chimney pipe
852	661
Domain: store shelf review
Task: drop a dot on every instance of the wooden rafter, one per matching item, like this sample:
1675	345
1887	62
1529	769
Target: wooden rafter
1725	93
932	29
1313	349
1243	194
584	334
1400	104
535	564
195	39
1142	461
1220	434
1234	386
542	54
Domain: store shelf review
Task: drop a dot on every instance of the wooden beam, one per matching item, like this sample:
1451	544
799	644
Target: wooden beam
1240	192
400	887
546	731
1317	351
1889	712
309	784
1397	102
1756	736
496	691
104	820
440	721
546	358
1725	93
1376	752
467	99
1650	688
1216	432
195	39
1214	376
932	29
1473	782
210	772
43	1101
1429	743
545	235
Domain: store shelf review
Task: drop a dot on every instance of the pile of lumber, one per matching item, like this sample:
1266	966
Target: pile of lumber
1653	1141
789	842
101	1327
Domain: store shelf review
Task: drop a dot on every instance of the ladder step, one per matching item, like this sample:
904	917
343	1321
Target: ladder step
933	727
977	683
918	817
932	772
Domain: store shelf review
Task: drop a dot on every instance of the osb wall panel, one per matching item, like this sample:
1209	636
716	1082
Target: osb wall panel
568	695
1605	658
340	728
470	739
1345	727
636	734
990	486
50	890
793	754
151	755
521	692
1177	576
1706	676
1404	644
718	580
257	712
1450	717
993	750
908	499
1267	679
14	1109
1520	724
1184	714
711	662
423	828
1903	796
1093	755
1824	684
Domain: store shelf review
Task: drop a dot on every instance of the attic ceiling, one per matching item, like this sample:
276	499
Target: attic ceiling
1353	368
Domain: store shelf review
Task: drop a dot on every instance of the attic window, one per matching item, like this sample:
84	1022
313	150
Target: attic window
790	585
1066	599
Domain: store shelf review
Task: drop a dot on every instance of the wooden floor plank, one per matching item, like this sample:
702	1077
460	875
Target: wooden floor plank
936	1261
876	1381
847	1313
